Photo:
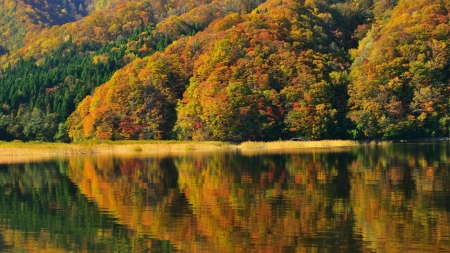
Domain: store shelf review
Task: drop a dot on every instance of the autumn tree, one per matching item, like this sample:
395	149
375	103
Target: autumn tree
399	76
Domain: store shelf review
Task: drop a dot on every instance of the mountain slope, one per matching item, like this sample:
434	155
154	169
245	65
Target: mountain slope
229	70
70	63
263	75
400	77
22	20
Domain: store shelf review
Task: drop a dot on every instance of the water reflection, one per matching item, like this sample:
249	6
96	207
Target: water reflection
41	210
370	199
401	201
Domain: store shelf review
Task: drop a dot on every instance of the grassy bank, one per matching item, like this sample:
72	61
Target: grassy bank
281	145
93	147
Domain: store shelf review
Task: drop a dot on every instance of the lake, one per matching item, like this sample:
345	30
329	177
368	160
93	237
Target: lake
373	198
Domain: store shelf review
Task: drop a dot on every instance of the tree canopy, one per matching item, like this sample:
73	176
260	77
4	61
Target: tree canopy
230	70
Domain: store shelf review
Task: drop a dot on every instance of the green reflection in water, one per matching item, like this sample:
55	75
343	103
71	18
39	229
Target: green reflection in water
39	202
374	198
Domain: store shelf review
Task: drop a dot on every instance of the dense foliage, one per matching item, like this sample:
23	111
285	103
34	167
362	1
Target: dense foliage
56	83
400	78
264	75
230	70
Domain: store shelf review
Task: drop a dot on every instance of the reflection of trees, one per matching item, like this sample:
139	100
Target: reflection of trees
401	198
323	200
42	211
140	193
372	198
226	202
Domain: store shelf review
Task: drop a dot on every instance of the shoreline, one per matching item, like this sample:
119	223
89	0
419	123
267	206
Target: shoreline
8	149
17	148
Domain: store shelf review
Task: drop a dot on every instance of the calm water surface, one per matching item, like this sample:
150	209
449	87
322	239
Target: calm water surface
393	198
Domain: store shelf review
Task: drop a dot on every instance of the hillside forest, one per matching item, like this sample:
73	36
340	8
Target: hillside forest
226	70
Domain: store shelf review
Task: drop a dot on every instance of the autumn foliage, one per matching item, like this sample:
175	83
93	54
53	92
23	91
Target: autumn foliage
241	70
262	75
399	85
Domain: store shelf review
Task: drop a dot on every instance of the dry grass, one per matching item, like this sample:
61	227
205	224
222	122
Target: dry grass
279	145
92	147
10	149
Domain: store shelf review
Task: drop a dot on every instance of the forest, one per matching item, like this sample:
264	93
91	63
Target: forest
234	70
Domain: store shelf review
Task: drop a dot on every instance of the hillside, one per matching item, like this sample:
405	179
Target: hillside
22	20
258	76
229	70
400	77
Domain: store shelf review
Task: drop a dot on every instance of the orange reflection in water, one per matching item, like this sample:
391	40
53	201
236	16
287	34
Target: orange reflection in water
364	200
211	206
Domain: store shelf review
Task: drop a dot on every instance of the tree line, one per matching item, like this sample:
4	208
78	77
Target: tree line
322	69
